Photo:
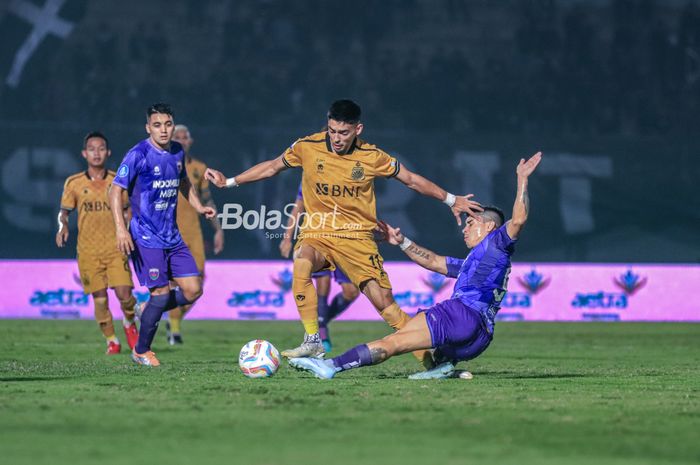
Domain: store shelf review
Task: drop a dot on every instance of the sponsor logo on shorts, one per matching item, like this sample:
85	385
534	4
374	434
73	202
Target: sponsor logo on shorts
153	273
123	171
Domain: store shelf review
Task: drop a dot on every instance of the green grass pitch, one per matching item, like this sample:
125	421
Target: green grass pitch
543	393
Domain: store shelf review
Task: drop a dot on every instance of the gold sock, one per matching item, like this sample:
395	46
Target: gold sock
127	307
103	316
305	295
397	319
174	318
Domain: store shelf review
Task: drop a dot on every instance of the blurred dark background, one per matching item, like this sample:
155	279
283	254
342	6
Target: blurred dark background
458	90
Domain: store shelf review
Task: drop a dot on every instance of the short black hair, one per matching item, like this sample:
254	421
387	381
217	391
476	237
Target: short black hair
162	108
92	134
345	111
494	214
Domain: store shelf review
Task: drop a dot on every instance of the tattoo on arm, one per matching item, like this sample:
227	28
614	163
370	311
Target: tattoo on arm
378	355
525	199
415	250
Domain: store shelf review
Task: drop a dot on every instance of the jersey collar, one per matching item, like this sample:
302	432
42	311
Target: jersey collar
330	149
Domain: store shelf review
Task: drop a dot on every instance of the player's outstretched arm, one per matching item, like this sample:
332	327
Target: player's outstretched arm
422	256
458	204
62	233
263	170
116	203
190	193
521	207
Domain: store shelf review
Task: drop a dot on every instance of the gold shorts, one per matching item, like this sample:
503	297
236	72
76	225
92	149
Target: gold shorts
100	272
358	258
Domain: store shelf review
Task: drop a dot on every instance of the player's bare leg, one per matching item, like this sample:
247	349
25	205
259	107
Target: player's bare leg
389	310
306	261
127	302
103	317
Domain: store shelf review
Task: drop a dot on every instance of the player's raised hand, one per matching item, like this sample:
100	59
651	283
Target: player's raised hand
62	237
465	204
526	168
124	242
390	234
208	212
216	177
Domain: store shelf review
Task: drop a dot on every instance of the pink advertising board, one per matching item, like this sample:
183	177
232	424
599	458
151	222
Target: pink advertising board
261	290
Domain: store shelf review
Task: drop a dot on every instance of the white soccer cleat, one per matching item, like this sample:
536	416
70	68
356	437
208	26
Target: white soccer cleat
442	371
311	347
322	369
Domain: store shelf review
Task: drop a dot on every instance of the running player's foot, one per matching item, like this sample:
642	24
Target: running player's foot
311	347
147	359
113	348
322	369
442	371
327	346
132	335
175	339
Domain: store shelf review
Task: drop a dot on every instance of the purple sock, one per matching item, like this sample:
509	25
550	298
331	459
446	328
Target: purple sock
337	306
358	356
149	321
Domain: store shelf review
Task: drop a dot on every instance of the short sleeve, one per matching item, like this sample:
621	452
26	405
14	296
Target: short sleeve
292	156
502	240
386	165
68	197
453	266
128	170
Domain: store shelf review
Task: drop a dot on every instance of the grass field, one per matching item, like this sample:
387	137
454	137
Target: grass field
542	394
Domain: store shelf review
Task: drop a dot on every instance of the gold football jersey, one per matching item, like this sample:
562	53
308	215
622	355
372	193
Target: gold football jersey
187	216
338	190
96	231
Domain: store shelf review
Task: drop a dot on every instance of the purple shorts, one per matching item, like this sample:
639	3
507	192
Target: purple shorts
338	275
457	331
156	267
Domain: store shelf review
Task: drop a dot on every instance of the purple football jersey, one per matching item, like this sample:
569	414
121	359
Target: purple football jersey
152	178
482	278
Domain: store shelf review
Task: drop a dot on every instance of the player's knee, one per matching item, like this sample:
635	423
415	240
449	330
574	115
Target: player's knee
192	292
350	293
123	293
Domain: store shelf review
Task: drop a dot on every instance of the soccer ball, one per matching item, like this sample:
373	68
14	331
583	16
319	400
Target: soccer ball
259	359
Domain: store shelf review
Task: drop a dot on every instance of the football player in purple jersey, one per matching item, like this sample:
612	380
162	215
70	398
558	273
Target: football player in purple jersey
459	328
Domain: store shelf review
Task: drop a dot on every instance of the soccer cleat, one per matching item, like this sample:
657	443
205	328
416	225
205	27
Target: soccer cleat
442	371
175	339
311	347
132	335
327	346
113	348
322	369
147	359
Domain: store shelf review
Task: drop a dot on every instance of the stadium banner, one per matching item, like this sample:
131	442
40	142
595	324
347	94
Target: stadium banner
261	290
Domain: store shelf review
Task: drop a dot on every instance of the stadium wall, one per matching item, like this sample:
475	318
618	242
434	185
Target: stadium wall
260	290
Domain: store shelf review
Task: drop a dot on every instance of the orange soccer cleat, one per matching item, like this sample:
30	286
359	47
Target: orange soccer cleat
147	359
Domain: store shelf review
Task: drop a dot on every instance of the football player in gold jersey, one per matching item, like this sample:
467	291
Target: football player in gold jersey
338	190
189	226
100	263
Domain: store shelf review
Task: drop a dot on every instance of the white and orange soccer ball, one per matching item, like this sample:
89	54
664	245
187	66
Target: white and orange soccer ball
259	359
